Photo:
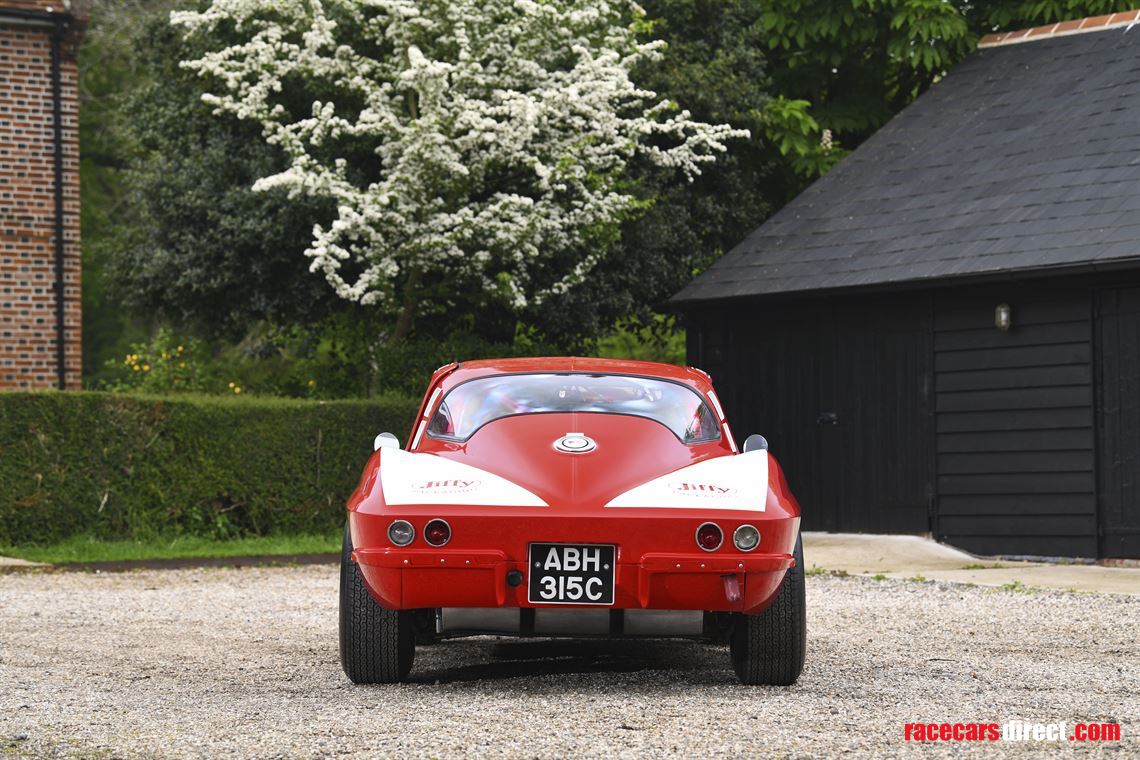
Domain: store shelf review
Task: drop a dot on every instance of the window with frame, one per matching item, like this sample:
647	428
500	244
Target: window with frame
471	405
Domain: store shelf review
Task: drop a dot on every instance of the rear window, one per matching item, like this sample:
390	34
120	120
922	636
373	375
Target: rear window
473	404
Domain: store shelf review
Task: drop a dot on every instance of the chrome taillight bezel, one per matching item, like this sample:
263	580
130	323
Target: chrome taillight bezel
411	528
446	525
697	536
736	533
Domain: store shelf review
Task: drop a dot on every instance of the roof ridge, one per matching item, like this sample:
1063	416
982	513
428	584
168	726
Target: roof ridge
1062	29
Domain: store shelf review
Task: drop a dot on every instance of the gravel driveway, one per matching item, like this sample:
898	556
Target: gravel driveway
233	662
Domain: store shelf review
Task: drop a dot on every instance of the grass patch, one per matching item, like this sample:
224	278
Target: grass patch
878	577
976	566
87	549
817	570
1017	587
917	578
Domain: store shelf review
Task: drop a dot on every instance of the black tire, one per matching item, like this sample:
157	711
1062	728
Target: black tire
376	645
769	648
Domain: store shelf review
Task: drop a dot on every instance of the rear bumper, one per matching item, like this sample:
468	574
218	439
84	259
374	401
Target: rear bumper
728	580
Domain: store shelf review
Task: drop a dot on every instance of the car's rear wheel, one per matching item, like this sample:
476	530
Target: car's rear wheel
769	648
376	645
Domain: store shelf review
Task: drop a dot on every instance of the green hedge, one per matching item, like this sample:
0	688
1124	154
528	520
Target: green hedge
116	466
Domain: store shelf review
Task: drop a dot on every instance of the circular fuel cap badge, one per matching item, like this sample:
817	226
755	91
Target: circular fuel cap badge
575	443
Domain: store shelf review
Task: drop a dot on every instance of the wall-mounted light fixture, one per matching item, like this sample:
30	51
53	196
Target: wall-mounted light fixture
1003	317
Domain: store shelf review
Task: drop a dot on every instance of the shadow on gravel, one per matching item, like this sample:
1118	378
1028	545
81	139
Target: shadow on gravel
529	659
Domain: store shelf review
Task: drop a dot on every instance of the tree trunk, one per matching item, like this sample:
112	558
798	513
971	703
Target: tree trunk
406	317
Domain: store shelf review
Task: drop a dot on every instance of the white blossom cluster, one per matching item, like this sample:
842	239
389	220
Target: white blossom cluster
503	131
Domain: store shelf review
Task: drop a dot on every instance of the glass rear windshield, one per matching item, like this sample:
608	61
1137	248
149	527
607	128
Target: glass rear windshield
471	405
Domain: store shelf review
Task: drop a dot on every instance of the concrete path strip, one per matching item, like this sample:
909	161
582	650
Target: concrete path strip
915	557
12	563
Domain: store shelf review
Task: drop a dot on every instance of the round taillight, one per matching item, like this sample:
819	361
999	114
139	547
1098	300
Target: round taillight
746	538
401	532
709	537
437	532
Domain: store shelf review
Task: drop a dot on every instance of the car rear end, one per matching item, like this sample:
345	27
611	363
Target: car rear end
620	508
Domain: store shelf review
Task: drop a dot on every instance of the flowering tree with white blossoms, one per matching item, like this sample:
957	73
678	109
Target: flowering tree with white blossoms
500	135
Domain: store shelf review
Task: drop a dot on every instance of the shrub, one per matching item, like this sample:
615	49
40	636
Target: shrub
117	466
339	358
167	363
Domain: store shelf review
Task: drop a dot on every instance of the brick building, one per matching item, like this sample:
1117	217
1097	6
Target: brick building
39	194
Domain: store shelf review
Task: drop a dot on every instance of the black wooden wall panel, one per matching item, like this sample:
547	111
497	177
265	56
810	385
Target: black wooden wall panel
778	369
991	504
1074	439
1119	418
1015	435
1025	439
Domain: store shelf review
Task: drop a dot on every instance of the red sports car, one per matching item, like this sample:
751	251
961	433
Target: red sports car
572	497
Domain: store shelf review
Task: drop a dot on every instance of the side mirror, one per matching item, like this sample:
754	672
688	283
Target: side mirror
385	441
755	442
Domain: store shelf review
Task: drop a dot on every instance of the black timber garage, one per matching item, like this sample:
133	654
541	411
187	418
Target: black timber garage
943	333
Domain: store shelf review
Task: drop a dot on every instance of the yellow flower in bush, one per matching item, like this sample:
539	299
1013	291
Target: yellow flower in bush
161	363
237	389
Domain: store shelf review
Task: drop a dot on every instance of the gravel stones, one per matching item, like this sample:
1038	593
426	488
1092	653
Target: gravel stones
243	663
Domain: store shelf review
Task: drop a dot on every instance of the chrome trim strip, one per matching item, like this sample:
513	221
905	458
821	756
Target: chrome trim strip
431	402
419	435
731	440
716	405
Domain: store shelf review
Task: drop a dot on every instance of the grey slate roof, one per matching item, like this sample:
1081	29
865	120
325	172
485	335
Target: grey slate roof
1023	157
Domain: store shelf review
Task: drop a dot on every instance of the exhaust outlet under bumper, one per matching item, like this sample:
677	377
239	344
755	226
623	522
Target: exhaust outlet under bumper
511	621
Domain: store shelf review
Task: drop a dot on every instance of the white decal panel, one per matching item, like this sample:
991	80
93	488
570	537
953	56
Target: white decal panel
428	479
729	482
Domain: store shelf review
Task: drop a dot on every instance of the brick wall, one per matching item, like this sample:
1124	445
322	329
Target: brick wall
28	326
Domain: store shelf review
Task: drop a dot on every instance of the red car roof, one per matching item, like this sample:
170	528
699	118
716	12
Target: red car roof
482	367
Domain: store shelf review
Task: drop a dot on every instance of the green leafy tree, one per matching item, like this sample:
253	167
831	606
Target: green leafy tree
841	69
109	66
714	64
188	242
499	137
201	235
199	247
1006	15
